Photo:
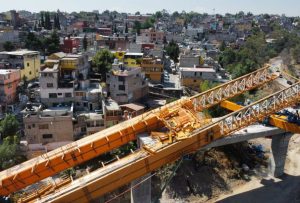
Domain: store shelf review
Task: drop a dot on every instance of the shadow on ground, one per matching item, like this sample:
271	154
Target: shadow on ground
286	190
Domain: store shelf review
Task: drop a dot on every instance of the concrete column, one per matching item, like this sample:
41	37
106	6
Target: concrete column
279	146
141	190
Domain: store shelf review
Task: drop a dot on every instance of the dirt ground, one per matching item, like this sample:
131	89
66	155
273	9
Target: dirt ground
220	180
268	188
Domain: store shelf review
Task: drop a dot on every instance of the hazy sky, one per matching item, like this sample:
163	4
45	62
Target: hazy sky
288	7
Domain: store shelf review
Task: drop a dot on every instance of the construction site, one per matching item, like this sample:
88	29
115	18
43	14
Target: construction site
177	147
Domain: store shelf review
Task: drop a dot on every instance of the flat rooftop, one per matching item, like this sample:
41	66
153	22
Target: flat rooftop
19	52
7	71
208	70
134	54
134	106
111	105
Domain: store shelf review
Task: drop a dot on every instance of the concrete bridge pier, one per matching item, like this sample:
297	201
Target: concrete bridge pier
279	147
141	187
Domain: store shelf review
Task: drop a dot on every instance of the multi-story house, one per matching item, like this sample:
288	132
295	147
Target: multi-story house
88	95
70	45
9	80
51	125
28	62
133	59
55	90
189	60
8	35
153	69
193	77
151	36
64	80
126	84
112	112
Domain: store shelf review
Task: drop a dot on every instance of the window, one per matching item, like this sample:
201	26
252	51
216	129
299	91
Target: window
195	80
33	125
195	74
68	94
9	86
49	84
47	136
122	87
52	95
28	64
83	129
59	94
29	72
99	123
28	127
43	126
79	94
121	79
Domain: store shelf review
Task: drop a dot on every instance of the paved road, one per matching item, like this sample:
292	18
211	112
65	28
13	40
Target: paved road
277	65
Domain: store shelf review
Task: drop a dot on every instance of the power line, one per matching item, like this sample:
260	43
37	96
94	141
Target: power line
132	187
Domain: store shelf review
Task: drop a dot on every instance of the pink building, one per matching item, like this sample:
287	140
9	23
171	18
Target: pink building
152	36
9	80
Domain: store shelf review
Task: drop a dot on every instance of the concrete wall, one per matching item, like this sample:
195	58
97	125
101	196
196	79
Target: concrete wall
60	127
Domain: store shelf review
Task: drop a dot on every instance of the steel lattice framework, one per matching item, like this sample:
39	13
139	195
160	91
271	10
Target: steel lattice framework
232	88
259	110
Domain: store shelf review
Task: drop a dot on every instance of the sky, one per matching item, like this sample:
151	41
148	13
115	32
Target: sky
287	7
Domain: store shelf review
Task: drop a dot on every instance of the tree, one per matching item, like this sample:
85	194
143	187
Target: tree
158	15
85	43
115	28
175	14
35	27
7	155
103	62
222	46
165	40
126	28
96	17
33	43
9	126
56	22
47	21
8	46
42	19
137	13
173	50
52	43
137	27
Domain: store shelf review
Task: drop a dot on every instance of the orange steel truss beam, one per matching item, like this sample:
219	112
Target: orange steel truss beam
125	170
274	120
51	163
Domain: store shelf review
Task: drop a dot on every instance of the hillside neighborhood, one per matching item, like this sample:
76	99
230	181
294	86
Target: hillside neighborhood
65	76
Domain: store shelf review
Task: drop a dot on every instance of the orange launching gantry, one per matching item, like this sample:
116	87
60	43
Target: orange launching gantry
180	118
123	171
